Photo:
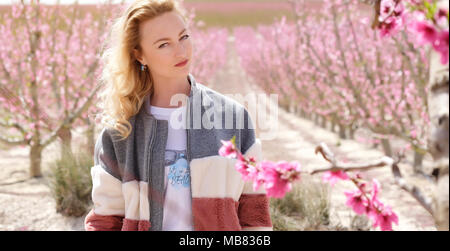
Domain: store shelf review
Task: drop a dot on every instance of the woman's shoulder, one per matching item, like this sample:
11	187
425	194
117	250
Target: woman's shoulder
231	106
223	99
109	138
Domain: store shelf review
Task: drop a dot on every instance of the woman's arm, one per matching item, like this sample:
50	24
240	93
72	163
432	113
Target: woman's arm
109	206
253	212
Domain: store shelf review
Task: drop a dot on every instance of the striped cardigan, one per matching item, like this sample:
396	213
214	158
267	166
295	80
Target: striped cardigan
128	175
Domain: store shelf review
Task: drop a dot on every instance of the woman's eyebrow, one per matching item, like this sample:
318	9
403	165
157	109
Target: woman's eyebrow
163	39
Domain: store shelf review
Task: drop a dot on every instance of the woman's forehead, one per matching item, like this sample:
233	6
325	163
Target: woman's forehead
164	26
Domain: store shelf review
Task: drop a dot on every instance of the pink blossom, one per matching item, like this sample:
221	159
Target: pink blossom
356	201
227	149
375	189
414	134
333	177
381	215
441	17
242	167
438	39
16	10
392	16
373	209
247	171
277	177
263	167
384	218
289	170
427	32
390	26
386	8
399	9
441	45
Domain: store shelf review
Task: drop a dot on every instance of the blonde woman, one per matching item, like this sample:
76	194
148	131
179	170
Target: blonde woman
156	161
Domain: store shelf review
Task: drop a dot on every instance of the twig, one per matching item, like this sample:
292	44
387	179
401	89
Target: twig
347	167
384	161
411	189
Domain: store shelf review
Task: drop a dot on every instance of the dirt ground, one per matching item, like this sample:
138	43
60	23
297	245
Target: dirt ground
26	204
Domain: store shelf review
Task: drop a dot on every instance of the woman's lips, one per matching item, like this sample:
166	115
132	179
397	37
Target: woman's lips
182	63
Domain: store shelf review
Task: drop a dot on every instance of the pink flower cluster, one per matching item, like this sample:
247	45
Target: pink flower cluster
277	180
429	34
364	201
430	23
275	177
391	17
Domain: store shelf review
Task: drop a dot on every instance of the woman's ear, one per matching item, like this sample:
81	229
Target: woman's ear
138	56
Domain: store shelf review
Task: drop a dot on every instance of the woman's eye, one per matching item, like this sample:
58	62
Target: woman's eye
185	36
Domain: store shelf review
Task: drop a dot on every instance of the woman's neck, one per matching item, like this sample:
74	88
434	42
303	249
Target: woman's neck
164	90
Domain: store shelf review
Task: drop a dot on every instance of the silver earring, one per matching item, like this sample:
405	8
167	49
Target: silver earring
143	67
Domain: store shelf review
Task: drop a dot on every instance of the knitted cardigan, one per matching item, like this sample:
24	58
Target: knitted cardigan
128	175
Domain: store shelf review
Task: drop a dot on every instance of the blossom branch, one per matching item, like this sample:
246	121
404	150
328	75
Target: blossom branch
277	179
384	161
9	142
13	125
411	189
71	119
347	167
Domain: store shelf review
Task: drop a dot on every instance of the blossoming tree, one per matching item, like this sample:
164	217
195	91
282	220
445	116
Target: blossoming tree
332	66
430	21
48	68
49	72
383	91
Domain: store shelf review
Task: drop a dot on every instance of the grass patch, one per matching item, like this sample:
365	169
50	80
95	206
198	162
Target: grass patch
305	207
71	184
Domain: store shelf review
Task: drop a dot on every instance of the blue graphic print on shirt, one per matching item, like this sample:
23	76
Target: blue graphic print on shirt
178	174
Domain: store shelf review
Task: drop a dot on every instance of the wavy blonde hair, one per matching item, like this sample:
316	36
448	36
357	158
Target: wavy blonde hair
124	84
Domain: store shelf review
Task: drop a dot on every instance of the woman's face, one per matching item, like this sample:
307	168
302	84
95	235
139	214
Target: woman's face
165	42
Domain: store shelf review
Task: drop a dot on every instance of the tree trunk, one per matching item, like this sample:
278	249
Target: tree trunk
284	104
418	160
291	108
66	142
308	116
302	113
333	125
323	123
439	134
342	132
35	161
352	131
90	138
316	119
386	147
375	144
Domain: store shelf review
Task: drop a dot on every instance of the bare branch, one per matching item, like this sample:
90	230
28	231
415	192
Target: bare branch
411	189
70	119
384	161
326	153
377	8
13	125
9	142
347	167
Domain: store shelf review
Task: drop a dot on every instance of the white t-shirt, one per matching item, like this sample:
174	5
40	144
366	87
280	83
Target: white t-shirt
177	191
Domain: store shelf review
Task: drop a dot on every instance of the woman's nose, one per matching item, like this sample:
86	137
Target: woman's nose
180	50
